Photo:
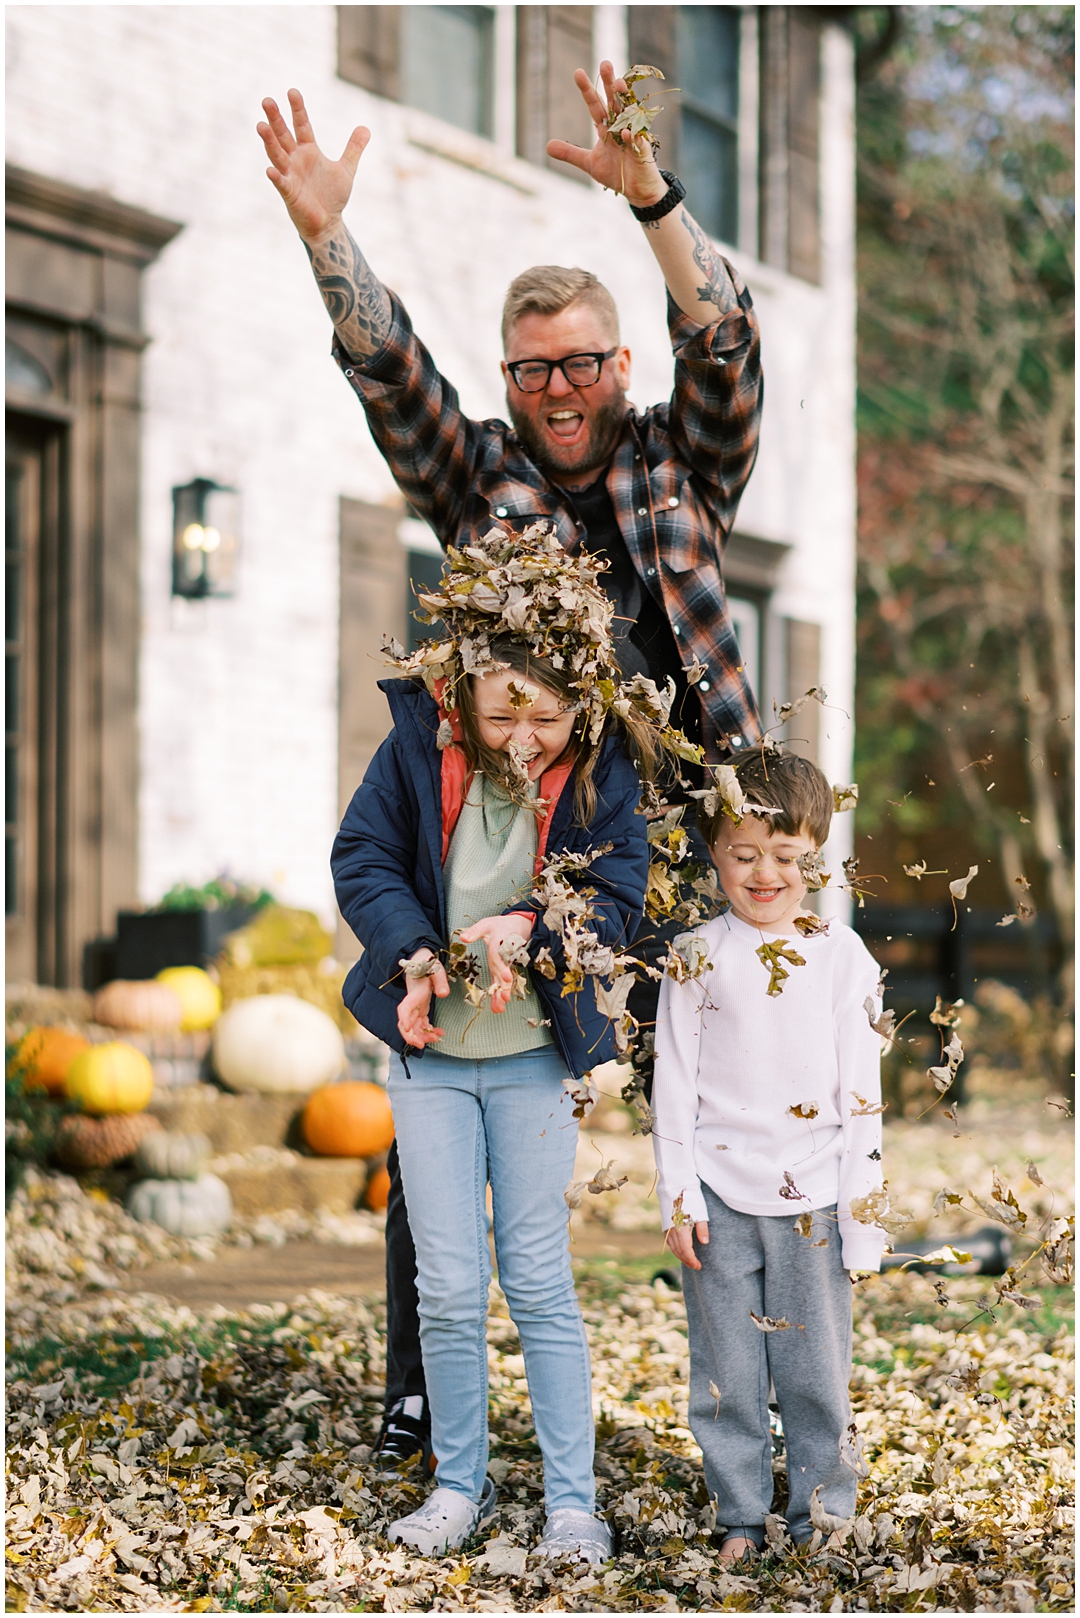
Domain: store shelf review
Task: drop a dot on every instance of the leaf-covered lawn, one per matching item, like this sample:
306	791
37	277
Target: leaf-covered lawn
160	1459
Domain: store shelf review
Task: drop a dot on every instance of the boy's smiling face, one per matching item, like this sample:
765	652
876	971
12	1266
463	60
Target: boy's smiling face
757	869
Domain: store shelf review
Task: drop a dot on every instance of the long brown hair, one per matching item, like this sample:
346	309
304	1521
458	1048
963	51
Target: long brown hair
637	735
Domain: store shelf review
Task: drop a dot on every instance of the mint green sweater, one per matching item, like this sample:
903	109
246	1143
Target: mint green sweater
489	865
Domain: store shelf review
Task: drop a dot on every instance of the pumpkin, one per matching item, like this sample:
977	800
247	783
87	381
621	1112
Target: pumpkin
171	1155
98	1143
139	1004
199	995
110	1078
352	1119
44	1056
276	1044
201	1207
377	1194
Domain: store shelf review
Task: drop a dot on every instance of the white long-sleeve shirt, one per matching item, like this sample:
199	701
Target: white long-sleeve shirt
731	1063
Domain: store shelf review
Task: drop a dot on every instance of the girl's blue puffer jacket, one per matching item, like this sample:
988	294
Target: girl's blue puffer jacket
387	865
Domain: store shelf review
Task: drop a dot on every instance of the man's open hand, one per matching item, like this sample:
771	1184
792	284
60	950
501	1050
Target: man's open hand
313	187
616	162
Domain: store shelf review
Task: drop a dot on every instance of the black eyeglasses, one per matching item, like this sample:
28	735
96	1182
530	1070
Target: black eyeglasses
580	370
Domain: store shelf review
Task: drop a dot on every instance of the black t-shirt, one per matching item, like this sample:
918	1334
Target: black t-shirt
644	641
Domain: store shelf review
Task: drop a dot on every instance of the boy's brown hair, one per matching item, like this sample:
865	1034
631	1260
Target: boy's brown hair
783	781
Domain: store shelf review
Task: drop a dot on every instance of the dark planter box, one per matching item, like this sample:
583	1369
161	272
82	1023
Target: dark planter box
149	941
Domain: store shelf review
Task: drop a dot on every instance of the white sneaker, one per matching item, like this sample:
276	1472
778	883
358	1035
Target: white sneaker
576	1535
444	1521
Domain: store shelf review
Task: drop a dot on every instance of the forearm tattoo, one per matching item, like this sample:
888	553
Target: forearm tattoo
357	302
718	288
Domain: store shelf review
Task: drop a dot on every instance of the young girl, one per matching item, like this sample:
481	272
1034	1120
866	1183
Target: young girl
484	774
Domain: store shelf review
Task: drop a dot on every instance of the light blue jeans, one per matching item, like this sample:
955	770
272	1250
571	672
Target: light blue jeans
461	1123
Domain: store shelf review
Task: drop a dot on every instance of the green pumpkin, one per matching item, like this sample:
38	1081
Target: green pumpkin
201	1207
170	1155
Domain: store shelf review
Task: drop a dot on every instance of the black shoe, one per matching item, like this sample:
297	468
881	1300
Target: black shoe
405	1438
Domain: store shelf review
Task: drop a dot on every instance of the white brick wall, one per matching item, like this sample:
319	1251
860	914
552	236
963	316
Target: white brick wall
157	105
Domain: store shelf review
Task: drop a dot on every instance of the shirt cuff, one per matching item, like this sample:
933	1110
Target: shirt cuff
861	1248
690	339
693	1203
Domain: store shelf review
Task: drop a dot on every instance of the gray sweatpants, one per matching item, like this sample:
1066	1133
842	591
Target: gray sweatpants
762	1264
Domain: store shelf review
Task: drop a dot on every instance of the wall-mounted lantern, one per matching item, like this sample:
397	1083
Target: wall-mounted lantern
206	539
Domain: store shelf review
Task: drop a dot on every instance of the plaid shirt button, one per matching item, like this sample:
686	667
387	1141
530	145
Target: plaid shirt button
642	511
500	511
673	501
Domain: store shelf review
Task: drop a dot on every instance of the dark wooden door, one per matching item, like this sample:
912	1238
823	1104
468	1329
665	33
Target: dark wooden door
35	744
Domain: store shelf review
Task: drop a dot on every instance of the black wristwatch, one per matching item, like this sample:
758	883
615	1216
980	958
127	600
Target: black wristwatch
670	199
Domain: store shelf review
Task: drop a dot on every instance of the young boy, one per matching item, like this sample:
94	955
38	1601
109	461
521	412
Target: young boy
766	1129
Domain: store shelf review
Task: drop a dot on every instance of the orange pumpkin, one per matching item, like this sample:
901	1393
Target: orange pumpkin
377	1194
139	1004
44	1056
351	1119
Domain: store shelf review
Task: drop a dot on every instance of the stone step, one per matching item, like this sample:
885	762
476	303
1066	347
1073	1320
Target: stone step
334	1184
231	1123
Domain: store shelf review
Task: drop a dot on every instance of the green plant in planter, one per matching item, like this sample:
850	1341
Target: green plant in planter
218	894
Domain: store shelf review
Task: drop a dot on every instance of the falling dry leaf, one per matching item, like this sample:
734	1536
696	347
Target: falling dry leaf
805	1109
811	926
764	1323
845	797
851	1451
959	887
812	869
942	1077
773	954
883	1023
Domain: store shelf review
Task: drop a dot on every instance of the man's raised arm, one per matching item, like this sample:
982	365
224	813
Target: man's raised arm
692	268
315	190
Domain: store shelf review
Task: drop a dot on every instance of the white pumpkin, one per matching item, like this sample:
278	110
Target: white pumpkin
175	1156
201	1207
277	1044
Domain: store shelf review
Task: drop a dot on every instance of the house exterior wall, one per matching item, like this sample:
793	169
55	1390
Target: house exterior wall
238	699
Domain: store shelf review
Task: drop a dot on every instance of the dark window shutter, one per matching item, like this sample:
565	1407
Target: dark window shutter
802	655
532	66
569	46
772	136
369	48
653	43
804	95
551	42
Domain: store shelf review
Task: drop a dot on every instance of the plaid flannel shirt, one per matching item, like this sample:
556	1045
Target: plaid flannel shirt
675	480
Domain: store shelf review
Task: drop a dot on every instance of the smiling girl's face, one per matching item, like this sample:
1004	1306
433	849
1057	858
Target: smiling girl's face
757	871
541	731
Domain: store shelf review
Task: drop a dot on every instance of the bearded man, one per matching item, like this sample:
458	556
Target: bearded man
654	494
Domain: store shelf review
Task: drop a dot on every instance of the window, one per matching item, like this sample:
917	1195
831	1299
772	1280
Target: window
708	77
446	63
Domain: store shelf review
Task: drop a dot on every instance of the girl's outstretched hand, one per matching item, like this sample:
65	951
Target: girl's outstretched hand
412	1015
496	931
681	1243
